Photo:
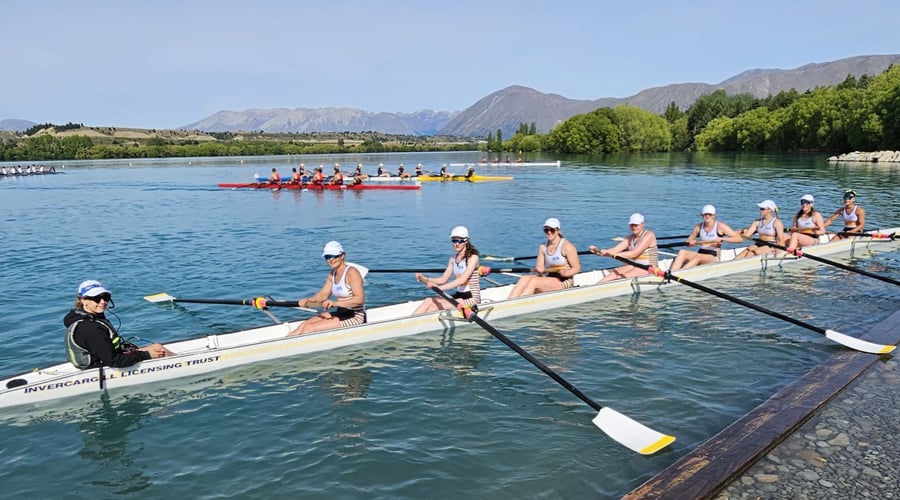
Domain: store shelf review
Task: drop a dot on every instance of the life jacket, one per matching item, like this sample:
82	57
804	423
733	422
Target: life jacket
79	356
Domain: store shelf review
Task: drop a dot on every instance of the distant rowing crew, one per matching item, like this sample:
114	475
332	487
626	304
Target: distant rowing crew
302	176
27	170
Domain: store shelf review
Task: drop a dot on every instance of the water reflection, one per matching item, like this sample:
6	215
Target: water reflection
105	433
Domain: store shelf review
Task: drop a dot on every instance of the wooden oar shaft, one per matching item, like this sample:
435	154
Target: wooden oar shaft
522	352
800	253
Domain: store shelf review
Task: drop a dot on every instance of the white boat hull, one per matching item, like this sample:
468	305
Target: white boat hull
217	352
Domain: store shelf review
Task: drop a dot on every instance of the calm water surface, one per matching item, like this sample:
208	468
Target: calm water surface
452	413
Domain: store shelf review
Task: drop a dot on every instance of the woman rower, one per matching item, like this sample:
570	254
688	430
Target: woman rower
768	227
557	264
639	246
808	225
318	178
854	216
462	268
712	233
338	177
345	283
92	341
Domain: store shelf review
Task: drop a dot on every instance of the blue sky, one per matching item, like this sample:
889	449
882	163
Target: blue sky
163	64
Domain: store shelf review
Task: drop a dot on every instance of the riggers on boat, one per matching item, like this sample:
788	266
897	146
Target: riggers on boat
210	353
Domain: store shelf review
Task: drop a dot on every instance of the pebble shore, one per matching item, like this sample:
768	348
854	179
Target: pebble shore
849	449
872	157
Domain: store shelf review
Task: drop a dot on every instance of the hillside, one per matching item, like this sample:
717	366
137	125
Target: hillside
509	107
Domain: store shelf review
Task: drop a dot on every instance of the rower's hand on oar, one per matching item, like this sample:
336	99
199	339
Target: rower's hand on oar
598	251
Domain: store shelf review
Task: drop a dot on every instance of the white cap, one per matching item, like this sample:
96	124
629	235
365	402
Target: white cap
552	222
460	232
807	197
767	204
91	288
332	248
708	209
636	219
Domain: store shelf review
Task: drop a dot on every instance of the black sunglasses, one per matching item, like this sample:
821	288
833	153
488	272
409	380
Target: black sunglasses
97	298
549	230
332	257
458	241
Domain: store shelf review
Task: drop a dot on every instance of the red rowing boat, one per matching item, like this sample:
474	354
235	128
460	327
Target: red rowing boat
347	187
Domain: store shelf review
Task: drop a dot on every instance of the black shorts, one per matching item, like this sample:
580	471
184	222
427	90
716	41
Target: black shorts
708	251
342	313
462	295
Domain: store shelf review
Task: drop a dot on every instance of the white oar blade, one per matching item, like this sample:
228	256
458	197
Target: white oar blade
631	433
859	345
159	297
499	259
363	270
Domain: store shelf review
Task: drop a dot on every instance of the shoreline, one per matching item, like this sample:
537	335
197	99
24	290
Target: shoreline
784	447
867	157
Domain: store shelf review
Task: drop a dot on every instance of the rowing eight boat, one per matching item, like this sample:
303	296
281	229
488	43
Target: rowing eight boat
214	352
314	187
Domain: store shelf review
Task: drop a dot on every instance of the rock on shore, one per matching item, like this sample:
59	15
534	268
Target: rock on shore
873	157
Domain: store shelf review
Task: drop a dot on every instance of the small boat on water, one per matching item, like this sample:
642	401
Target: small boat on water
209	353
509	163
464	178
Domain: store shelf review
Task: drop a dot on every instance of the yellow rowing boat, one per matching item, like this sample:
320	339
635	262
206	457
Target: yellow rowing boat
471	178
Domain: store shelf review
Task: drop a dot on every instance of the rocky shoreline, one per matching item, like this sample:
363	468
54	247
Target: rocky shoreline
871	157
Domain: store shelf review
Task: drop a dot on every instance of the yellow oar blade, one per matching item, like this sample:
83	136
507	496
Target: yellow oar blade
631	433
858	344
159	297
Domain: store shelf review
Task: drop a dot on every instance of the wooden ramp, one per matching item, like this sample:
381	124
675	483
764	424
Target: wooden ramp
724	457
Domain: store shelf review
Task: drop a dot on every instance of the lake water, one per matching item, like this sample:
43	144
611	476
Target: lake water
445	414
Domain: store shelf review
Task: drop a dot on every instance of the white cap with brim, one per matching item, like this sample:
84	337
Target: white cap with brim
91	288
636	219
767	204
332	248
708	209
460	232
807	197
552	222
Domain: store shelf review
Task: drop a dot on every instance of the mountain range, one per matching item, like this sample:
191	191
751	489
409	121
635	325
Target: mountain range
506	109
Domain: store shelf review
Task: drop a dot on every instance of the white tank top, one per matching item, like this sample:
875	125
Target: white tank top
709	235
806	223
851	217
764	229
556	259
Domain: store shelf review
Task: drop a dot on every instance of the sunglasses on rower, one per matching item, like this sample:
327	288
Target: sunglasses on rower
103	296
550	230
332	257
457	241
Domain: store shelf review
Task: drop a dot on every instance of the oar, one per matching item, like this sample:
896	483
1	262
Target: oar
799	253
165	297
482	270
583	252
626	431
877	236
840	338
684	237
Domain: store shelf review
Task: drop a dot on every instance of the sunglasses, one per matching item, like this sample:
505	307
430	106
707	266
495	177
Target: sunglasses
849	197
805	202
332	257
549	230
103	296
457	241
